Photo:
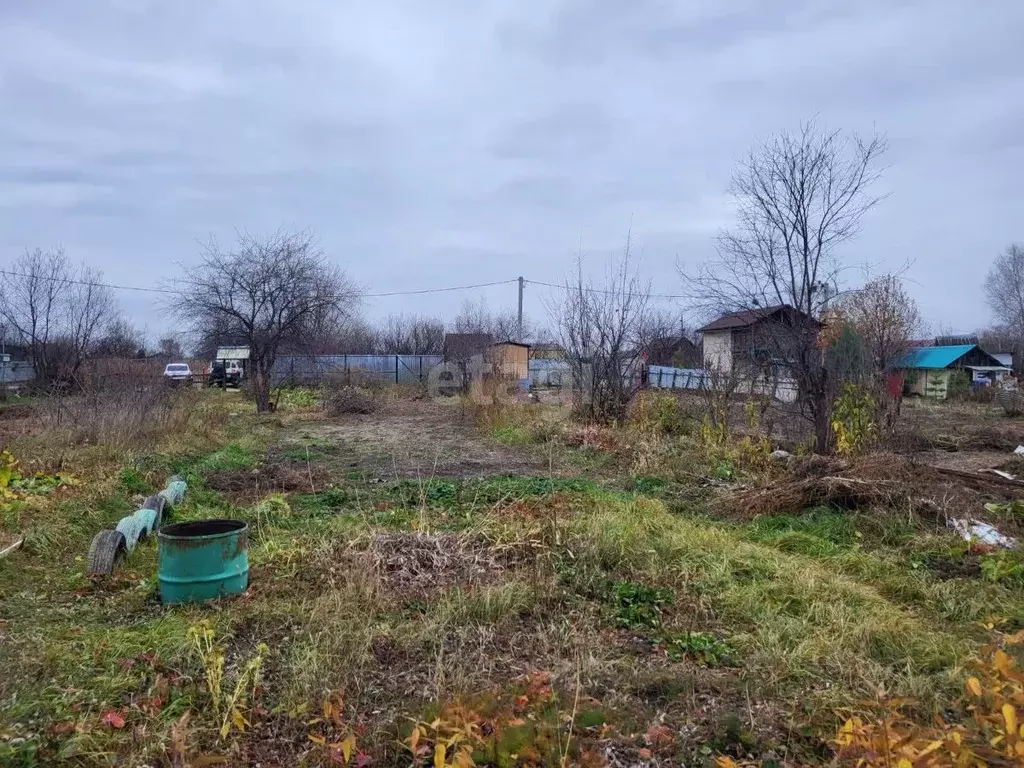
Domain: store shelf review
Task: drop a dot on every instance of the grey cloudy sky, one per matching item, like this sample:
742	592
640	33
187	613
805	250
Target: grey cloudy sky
442	143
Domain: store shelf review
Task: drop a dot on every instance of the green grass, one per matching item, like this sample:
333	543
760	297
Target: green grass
652	616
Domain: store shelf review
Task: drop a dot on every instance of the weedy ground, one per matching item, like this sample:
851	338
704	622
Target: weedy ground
456	585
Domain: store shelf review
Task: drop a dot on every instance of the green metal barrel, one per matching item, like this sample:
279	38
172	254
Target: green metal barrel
203	560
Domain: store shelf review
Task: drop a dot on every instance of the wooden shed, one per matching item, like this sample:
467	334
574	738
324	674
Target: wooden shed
511	359
929	368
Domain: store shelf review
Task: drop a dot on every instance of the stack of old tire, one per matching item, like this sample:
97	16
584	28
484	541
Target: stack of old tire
108	545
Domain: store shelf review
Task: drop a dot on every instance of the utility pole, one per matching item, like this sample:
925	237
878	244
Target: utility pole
520	326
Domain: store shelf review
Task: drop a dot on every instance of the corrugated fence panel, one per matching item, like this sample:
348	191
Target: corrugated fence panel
549	373
665	377
16	372
310	369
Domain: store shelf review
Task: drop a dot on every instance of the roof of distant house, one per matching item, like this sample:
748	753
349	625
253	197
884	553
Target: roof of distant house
460	346
939	357
510	342
746	318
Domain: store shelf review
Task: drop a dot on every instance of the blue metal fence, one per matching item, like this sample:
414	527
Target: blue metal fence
549	373
665	377
310	369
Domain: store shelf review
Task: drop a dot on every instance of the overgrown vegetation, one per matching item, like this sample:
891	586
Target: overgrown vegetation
607	606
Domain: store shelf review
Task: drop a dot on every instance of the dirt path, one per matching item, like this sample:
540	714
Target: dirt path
415	439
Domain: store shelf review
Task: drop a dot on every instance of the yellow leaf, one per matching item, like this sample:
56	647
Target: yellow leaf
1010	716
439	756
904	763
318	739
414	739
347	746
724	761
237	719
327	709
974	686
1001	662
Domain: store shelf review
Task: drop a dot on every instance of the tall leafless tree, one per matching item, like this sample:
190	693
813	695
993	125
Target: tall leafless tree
503	325
1004	289
798	197
56	309
885	317
169	347
266	292
601	325
120	339
410	335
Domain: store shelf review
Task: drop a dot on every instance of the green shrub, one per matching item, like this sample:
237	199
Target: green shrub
1003	566
702	647
637	606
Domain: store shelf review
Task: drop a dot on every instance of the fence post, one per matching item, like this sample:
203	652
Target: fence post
348	376
396	369
675	372
421	368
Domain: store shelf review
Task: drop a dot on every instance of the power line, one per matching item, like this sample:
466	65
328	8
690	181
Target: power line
93	284
441	290
97	284
606	292
421	291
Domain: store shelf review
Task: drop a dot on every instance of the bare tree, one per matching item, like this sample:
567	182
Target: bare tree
265	293
120	339
476	317
170	348
56	309
1004	288
885	317
798	197
410	335
601	328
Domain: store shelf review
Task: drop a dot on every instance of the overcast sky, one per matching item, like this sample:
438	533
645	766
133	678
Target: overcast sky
442	143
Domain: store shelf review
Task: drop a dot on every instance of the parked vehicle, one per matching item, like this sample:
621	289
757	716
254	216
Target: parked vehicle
223	373
178	373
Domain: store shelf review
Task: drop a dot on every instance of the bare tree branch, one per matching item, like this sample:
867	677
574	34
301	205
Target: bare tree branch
267	293
798	198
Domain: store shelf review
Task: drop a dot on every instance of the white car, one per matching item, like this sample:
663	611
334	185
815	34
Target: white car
178	373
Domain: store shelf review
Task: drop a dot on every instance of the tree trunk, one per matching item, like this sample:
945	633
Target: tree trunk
261	385
822	424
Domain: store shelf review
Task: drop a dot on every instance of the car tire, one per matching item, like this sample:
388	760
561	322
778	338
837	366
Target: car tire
103	552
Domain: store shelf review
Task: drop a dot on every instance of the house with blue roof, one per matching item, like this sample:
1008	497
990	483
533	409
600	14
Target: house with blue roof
928	369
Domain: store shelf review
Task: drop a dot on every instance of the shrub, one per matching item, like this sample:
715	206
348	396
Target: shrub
660	413
120	411
853	420
983	729
959	385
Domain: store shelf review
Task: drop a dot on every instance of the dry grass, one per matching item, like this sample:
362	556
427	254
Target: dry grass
408	606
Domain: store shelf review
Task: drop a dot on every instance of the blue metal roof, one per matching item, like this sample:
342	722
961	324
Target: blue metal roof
935	357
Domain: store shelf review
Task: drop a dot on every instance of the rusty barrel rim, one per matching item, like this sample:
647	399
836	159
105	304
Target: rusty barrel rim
203	530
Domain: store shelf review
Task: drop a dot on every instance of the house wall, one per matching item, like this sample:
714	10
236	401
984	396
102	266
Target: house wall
718	351
511	361
929	382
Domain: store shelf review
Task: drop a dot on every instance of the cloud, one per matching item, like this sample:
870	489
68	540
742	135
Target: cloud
445	143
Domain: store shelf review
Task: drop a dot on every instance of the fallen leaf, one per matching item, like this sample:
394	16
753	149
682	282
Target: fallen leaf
974	686
113	719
